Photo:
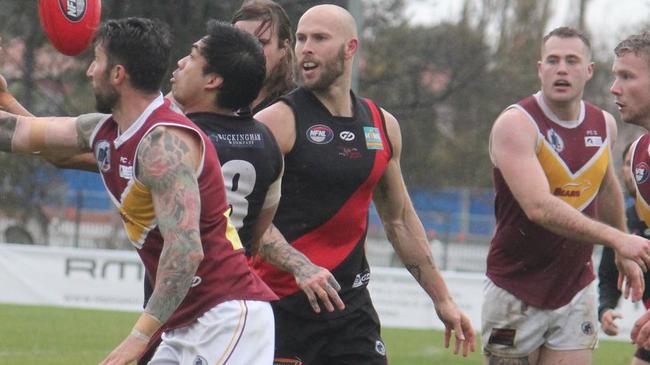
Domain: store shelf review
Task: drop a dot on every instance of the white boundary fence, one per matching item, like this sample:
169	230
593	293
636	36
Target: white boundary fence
107	279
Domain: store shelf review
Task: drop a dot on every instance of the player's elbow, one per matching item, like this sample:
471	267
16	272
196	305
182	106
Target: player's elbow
536	213
195	257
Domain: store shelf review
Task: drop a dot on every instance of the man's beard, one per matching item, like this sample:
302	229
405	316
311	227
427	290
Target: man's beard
332	70
105	101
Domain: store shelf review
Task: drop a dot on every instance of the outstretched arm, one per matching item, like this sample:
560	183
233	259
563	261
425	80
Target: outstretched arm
9	103
406	233
47	136
166	164
83	161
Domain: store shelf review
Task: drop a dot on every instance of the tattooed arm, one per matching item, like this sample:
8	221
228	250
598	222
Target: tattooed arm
317	282
166	163
406	233
47	136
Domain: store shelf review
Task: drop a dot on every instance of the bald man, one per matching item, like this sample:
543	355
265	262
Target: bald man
341	153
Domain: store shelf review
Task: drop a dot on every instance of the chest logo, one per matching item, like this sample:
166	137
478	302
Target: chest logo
572	190
347	136
103	155
555	140
593	141
641	172
126	172
373	138
350	153
320	134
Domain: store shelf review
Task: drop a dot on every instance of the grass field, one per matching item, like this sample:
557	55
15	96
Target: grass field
31	335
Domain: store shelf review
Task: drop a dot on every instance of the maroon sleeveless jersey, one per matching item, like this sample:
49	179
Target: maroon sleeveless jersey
224	273
641	168
539	267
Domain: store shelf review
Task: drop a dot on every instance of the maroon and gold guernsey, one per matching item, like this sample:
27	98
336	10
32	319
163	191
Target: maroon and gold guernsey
539	267
224	273
640	167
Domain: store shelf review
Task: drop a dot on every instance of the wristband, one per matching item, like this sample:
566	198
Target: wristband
146	326
139	335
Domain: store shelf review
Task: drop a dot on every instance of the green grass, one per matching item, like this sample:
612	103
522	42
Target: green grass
33	335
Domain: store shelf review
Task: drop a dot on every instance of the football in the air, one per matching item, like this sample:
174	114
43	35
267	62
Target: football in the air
70	24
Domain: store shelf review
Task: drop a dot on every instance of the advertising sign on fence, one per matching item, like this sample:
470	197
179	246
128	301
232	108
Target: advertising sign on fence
106	279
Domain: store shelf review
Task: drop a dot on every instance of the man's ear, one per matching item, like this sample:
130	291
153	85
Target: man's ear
118	75
351	47
213	81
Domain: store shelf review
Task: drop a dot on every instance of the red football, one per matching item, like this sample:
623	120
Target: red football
70	24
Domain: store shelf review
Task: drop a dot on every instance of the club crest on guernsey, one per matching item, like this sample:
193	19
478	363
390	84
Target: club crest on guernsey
641	172
555	140
103	155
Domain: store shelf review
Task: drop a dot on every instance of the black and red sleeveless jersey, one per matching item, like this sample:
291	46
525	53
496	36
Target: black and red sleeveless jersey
539	267
250	162
329	179
223	274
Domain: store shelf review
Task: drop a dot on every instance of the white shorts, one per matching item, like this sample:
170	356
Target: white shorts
510	328
233	332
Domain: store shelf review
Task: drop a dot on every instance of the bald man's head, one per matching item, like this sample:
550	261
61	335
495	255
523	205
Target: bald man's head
337	19
326	41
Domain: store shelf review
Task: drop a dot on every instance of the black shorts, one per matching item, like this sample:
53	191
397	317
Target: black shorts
642	354
348	340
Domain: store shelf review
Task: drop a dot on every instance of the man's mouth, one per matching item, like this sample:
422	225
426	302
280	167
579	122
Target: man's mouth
308	65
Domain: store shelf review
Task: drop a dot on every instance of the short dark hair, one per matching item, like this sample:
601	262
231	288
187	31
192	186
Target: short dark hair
568	32
639	44
272	15
142	46
238	58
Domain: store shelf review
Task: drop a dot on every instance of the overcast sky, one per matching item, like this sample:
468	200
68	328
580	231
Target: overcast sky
608	20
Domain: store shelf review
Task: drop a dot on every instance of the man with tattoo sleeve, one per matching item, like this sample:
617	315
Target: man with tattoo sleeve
268	22
221	76
163	175
340	152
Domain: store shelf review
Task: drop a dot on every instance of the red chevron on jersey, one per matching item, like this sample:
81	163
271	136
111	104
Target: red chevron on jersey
343	231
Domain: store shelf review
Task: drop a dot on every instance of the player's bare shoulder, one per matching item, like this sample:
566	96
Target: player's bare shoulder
86	125
512	122
512	133
280	119
611	126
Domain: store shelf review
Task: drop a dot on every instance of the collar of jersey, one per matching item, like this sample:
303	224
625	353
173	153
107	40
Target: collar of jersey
133	128
570	124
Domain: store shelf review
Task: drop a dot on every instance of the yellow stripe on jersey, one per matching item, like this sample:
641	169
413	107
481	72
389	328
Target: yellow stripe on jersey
579	188
231	232
138	214
642	209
